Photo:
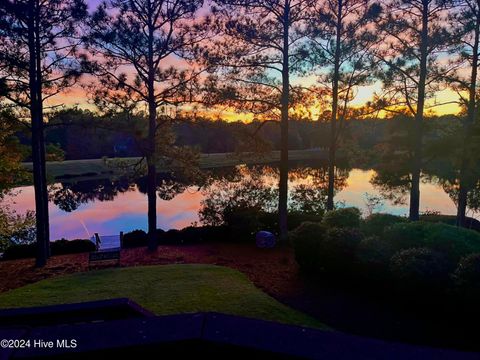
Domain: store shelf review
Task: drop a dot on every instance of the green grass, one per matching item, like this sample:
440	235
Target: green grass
164	290
102	168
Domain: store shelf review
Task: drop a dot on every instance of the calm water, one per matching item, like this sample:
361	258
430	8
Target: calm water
79	210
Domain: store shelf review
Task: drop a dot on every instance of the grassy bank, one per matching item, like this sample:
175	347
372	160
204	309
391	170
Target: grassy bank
101	168
164	290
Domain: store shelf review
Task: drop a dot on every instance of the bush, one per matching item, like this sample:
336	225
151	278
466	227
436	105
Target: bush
135	238
244	222
342	218
376	224
194	235
58	247
374	251
471	223
467	275
320	249
61	247
420	269
337	251
307	240
451	240
295	219
20	251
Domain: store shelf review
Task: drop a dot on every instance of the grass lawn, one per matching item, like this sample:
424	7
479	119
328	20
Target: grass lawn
164	289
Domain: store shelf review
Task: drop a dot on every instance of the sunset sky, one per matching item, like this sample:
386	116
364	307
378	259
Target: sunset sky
77	96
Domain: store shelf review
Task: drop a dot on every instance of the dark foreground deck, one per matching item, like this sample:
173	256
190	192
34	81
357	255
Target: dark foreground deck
121	328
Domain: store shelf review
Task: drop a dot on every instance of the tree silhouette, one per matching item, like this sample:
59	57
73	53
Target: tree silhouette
342	47
415	34
38	47
467	21
132	44
260	46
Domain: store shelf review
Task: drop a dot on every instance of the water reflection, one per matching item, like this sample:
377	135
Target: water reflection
78	209
69	196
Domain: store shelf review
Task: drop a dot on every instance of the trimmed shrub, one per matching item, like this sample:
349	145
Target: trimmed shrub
471	223
420	269
451	240
135	238
194	235
61	247
20	251
374	251
243	222
337	251
295	219
58	247
307	240
467	275
376	224
342	218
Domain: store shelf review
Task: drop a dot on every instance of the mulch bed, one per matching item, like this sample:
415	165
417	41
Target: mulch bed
273	270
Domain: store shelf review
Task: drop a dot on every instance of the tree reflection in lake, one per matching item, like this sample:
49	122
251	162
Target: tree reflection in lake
69	196
110	206
254	188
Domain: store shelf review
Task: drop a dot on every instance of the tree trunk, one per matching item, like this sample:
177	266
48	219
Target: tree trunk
465	173
414	214
333	120
283	183
38	144
151	154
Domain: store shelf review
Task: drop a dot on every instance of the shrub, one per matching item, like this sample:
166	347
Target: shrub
269	220
376	224
337	251
342	218
135	238
307	240
374	251
20	251
471	223
243	222
420	269
76	246
451	240
194	234
467	274
58	247
295	219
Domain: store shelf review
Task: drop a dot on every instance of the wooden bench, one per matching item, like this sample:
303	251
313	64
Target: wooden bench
104	258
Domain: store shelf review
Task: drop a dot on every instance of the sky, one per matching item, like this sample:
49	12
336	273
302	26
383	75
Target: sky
77	96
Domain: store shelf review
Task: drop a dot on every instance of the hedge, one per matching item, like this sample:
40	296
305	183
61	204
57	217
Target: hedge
58	247
349	217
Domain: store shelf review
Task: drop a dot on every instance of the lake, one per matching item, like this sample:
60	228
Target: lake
80	209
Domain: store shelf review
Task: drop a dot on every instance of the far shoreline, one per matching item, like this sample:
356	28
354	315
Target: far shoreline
108	167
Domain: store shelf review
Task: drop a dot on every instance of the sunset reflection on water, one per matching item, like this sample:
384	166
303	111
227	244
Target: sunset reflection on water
128	209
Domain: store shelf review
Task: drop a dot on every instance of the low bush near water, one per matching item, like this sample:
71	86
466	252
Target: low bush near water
337	250
467	275
420	269
413	256
58	247
135	238
188	235
376	224
307	241
450	240
349	217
